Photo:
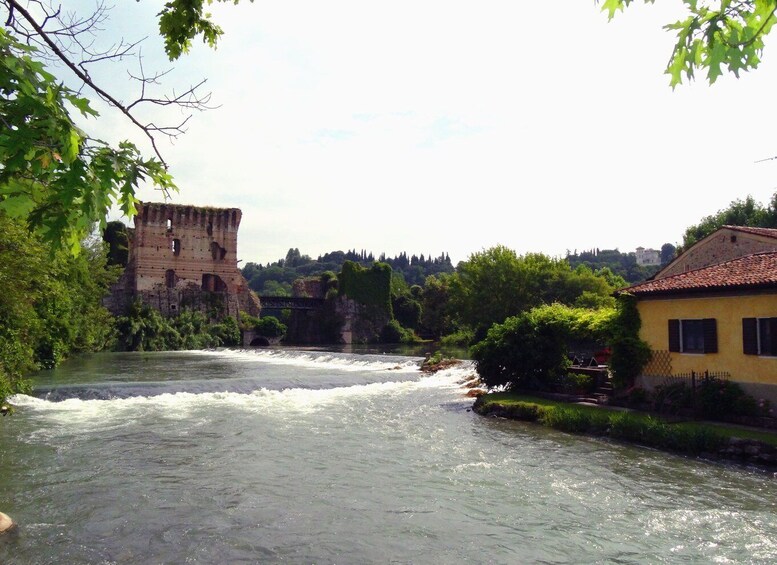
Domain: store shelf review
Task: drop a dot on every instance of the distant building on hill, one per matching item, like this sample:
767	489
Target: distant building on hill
648	257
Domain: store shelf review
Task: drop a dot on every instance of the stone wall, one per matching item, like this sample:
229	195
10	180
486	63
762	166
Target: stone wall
185	257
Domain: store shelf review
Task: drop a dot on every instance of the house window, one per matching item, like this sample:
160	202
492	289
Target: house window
693	335
759	336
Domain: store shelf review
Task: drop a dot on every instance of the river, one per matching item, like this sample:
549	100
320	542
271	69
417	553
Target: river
293	456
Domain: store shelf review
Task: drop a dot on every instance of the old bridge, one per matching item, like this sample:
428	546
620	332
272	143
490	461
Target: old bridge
290	303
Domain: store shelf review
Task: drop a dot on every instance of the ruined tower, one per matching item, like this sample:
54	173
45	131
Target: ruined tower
185	257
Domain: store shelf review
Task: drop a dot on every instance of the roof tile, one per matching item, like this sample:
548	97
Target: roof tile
766	232
757	270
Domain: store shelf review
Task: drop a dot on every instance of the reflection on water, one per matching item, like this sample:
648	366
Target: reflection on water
280	455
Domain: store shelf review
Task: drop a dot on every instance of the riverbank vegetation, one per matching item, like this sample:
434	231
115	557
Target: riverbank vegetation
50	304
686	437
145	329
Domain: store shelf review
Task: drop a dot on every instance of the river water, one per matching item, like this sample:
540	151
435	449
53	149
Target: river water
290	456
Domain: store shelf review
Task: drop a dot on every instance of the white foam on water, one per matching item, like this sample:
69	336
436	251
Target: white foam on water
715	524
94	413
319	359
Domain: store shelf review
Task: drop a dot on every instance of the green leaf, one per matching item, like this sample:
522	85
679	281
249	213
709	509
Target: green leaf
717	57
18	206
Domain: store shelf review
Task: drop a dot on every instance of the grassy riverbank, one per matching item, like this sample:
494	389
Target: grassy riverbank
718	441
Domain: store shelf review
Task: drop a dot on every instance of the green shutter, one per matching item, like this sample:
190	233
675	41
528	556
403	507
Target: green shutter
674	335
710	335
749	336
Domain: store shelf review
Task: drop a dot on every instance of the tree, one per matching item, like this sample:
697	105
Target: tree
436	315
496	283
50	306
629	353
745	212
530	350
668	252
54	176
726	34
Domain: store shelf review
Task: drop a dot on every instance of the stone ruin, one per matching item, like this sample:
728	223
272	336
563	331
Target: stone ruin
184	257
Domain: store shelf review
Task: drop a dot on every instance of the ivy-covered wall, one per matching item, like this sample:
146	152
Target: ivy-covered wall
368	286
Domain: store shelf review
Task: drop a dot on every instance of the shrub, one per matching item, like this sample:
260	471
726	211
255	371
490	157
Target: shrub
227	332
672	398
575	420
526	351
626	427
407	310
393	332
526	411
718	397
270	326
576	383
462	337
530	350
635	397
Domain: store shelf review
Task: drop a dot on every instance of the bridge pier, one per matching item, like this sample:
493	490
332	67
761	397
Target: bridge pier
251	338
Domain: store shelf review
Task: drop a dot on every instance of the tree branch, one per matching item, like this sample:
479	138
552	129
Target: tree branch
62	38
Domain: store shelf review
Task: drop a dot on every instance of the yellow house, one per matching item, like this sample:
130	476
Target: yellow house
721	318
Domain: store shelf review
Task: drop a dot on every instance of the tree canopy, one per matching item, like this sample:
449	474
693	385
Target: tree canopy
50	305
54	176
714	36
745	212
497	283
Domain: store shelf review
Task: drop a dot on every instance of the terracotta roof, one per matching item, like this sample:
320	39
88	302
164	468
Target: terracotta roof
750	272
766	232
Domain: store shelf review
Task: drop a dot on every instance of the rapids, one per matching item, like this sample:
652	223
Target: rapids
292	456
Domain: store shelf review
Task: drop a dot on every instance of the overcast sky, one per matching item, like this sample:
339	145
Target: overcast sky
452	126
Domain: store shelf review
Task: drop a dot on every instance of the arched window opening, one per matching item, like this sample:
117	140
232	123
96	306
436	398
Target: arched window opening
176	247
169	225
217	252
170	278
213	283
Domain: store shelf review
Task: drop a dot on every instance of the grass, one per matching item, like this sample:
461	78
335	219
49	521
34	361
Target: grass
638	427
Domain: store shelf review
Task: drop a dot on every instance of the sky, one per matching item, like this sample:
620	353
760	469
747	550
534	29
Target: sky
452	126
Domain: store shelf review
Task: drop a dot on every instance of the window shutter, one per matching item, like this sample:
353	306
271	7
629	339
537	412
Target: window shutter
674	335
749	336
710	335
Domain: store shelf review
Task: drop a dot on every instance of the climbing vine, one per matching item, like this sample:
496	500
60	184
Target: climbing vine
369	286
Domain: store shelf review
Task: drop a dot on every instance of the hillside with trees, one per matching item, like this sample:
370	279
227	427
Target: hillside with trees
621	264
276	279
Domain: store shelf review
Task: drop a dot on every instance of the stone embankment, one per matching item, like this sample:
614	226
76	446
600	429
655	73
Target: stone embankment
738	450
750	452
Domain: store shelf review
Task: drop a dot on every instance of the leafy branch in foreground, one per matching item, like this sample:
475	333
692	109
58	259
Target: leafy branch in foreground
52	175
725	33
